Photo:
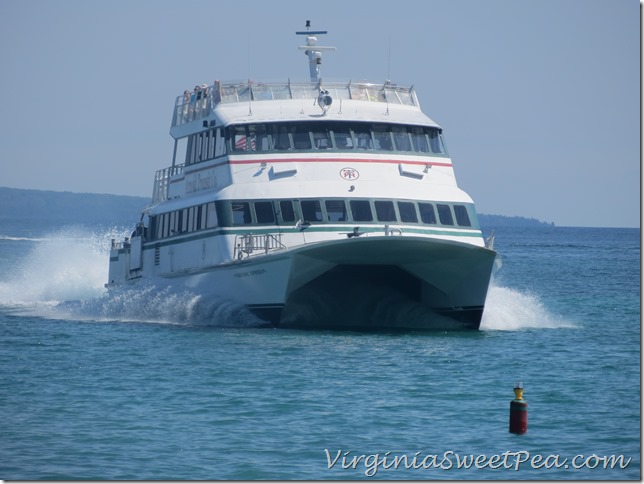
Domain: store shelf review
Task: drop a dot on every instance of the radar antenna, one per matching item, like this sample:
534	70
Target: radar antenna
312	50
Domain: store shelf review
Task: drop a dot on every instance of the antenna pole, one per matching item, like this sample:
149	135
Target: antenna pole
313	51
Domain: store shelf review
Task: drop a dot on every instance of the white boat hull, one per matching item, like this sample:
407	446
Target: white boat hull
368	283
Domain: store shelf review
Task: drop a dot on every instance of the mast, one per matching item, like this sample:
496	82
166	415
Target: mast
313	51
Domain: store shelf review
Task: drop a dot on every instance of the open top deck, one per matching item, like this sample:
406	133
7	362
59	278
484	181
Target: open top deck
201	102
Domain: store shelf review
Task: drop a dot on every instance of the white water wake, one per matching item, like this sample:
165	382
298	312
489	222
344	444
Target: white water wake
508	309
65	265
62	276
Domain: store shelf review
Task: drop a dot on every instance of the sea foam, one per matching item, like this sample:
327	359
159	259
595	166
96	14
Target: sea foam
63	276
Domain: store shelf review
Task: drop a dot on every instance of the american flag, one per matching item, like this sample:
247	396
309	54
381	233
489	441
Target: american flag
241	145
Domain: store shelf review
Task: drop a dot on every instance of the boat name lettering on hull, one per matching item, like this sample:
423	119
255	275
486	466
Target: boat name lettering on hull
256	272
198	182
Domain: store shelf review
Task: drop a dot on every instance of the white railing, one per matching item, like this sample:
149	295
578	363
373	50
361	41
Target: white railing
199	104
248	245
162	182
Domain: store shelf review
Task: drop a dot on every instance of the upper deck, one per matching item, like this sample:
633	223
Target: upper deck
201	102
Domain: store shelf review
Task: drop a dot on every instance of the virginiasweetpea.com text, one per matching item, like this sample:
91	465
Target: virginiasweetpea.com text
510	460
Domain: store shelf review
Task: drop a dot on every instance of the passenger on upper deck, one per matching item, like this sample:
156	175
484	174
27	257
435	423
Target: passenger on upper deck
204	95
216	93
186	105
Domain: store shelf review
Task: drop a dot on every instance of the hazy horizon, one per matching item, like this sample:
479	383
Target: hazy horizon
539	101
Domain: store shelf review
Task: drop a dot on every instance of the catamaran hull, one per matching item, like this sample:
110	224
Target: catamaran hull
368	283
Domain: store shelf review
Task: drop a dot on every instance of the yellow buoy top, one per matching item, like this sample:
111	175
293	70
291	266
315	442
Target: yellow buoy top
518	390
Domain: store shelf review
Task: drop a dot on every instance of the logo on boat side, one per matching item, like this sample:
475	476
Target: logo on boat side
349	173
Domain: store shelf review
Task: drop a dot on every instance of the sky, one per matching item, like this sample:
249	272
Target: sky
539	100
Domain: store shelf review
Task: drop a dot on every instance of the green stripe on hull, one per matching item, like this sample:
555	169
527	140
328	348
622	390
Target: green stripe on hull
291	230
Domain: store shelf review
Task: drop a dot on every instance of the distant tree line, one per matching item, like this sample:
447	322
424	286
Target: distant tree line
68	207
505	221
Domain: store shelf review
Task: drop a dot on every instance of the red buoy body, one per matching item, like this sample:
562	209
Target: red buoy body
518	416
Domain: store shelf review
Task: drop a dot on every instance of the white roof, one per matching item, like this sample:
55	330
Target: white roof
308	110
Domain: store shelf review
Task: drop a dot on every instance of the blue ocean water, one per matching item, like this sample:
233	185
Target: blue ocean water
154	385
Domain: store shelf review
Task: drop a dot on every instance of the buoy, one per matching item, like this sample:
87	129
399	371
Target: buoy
518	411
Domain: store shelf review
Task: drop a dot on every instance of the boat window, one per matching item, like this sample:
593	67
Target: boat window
385	210
339	92
358	92
281	139
322	139
183	220
445	214
376	93
390	95
427	214
287	211
405	97
342	138
382	138
436	142
211	144
167	230
319	135
197	142
229	94
163	224
311	210
462	218
243	93
204	146
159	226
200	146
362	134
211	217
155	228
304	91
401	138
419	139
173	223
239	140
241	213
301	138
220	143
281	92
336	210
192	219
264	212
180	150
407	212
260	140
200	217
262	92
361	210
190	151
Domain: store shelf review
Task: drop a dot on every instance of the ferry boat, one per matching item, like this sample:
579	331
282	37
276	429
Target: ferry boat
314	204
